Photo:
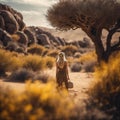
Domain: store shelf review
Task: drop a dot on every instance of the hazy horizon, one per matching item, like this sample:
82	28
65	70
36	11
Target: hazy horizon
33	11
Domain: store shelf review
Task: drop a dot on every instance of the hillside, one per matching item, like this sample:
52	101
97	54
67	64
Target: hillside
70	35
77	34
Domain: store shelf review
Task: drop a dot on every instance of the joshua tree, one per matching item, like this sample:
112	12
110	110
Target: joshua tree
92	16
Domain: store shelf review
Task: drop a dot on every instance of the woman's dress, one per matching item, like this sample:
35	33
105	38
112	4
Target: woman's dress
61	75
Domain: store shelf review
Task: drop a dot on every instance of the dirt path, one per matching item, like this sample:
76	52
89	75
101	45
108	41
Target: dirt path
81	83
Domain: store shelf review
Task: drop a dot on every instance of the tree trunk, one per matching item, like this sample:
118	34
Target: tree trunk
95	35
99	48
2	72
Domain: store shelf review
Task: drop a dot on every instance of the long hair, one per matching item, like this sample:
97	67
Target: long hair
61	59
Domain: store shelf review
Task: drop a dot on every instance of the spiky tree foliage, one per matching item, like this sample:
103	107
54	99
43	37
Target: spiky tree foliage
92	16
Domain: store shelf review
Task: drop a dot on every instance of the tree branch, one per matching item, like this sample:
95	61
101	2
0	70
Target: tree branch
116	49
116	46
118	30
111	32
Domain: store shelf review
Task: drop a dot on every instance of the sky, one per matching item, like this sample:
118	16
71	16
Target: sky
33	11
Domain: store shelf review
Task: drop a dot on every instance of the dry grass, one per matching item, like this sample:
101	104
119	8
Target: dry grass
53	53
49	61
38	102
86	62
90	56
36	49
12	61
33	62
8	62
69	50
106	88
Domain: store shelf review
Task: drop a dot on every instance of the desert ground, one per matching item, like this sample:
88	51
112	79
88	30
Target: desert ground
78	93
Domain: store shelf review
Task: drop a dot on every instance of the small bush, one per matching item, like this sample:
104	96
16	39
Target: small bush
20	75
41	76
90	56
34	63
89	66
88	61
76	67
69	50
53	53
36	49
8	62
49	62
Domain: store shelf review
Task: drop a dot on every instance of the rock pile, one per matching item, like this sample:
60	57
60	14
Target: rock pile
16	36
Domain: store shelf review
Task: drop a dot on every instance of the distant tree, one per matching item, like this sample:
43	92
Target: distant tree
92	16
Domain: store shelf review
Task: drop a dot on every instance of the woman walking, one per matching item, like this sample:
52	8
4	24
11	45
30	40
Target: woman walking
62	75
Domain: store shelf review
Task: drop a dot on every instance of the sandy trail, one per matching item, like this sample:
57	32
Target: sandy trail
81	81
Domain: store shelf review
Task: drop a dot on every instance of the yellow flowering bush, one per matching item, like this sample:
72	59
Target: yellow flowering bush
8	62
106	87
49	61
33	62
38	101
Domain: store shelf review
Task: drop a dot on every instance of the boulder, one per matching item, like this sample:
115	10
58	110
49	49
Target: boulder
62	41
22	38
31	38
85	43
2	23
77	55
20	22
5	37
11	25
13	18
43	39
76	43
11	10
